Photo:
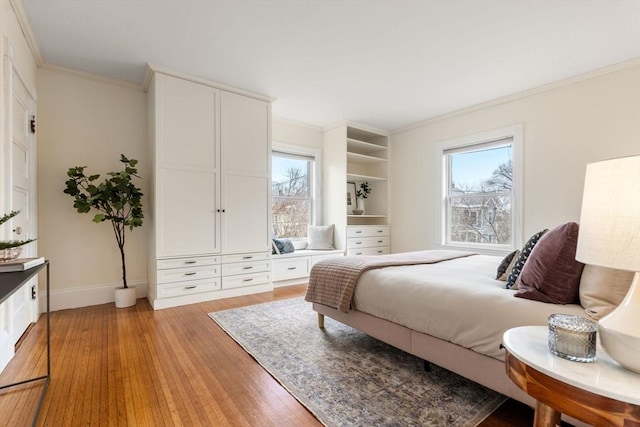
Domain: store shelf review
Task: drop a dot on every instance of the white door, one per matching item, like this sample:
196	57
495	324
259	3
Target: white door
23	305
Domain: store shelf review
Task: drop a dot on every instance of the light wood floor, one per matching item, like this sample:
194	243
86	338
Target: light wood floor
141	367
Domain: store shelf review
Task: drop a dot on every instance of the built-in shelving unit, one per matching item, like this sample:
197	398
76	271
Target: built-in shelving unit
355	153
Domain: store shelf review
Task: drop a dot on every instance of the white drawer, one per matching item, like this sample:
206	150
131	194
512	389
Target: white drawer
188	273
253	256
162	264
316	258
367	242
290	268
369	251
240	280
368	231
187	288
245	267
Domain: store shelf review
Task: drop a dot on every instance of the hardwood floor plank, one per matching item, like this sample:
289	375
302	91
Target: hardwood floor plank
173	367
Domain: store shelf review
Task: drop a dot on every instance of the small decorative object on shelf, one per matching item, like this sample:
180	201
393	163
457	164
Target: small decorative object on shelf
11	249
361	194
572	337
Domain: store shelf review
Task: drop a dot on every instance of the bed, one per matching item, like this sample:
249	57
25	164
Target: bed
451	312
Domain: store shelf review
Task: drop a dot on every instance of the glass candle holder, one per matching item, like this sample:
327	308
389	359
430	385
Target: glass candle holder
572	337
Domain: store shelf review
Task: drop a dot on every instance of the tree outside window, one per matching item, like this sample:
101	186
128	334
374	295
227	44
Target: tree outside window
291	195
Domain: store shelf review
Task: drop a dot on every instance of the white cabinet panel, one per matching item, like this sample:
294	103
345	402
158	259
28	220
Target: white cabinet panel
187	123
186	217
245	218
245	135
290	268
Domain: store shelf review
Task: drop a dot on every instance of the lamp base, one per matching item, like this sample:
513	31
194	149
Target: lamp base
620	329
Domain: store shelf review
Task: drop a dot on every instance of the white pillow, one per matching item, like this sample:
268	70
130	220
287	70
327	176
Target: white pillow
320	237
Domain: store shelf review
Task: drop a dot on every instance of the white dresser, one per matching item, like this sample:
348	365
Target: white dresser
368	240
295	267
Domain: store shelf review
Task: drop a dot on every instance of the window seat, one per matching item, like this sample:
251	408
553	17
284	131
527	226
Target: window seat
294	267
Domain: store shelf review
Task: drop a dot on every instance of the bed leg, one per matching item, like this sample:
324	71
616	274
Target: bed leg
320	320
427	365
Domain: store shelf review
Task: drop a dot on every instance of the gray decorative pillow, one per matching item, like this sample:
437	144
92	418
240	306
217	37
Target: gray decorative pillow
282	246
320	237
507	261
522	258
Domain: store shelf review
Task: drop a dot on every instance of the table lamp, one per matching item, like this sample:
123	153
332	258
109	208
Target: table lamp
609	236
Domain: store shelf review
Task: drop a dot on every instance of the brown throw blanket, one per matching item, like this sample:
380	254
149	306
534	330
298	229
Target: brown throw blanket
333	281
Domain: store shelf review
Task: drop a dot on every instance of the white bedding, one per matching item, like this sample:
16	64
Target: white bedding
457	300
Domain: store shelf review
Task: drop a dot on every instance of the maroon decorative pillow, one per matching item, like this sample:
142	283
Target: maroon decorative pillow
551	273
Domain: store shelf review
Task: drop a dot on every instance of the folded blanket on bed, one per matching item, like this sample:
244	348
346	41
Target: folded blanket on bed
332	281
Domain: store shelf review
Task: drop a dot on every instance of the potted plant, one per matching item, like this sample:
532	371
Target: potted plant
11	249
362	194
118	201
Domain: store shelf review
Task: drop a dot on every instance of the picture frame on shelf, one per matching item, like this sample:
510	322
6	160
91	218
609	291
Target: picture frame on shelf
351	197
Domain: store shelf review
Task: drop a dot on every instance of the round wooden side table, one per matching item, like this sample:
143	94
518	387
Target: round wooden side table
602	393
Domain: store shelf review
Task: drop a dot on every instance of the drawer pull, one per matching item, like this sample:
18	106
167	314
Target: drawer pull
190	287
359	253
380	241
380	231
358	231
292	268
358	243
247	280
247	268
190	274
247	257
380	252
190	262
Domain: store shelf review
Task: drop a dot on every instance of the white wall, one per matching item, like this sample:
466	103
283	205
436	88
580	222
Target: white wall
565	127
87	121
292	133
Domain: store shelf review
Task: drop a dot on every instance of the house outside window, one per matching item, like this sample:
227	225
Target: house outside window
293	187
480	191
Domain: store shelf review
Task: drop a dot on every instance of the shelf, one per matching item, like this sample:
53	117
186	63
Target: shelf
363	159
361	147
354	177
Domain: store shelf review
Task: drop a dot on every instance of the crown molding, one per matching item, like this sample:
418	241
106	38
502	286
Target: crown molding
290	122
151	69
25	27
525	94
90	76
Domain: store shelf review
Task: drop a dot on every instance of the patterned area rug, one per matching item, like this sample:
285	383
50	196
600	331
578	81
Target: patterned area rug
345	377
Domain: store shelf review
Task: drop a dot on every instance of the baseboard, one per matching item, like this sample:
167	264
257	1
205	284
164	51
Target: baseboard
83	296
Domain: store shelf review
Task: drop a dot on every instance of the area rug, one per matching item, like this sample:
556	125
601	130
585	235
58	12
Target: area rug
345	377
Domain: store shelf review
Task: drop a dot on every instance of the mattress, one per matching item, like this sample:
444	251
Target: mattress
457	300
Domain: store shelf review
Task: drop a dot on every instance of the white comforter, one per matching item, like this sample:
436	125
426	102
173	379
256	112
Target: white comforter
457	300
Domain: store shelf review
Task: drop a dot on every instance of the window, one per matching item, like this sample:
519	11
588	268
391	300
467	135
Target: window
480	181
292	191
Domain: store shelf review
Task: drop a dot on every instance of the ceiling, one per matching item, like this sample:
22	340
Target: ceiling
385	63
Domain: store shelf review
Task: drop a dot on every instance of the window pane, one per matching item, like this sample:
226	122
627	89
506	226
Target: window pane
479	196
291	195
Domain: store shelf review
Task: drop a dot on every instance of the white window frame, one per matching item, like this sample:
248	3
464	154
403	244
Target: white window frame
515	133
316	180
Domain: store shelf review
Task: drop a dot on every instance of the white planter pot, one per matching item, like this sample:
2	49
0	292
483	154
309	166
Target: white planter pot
125	297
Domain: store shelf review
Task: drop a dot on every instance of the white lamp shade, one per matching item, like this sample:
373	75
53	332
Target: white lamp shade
610	218
609	236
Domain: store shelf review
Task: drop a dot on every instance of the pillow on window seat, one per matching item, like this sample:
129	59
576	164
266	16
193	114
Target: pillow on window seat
282	246
551	273
320	237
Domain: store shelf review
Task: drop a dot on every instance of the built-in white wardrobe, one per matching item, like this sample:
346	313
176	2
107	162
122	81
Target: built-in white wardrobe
210	155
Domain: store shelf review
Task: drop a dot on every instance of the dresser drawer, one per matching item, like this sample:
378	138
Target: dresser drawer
162	264
316	258
188	273
240	280
367	242
368	231
253	256
369	251
187	288
245	267
290	268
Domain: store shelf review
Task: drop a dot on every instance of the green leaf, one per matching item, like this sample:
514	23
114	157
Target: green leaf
99	217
